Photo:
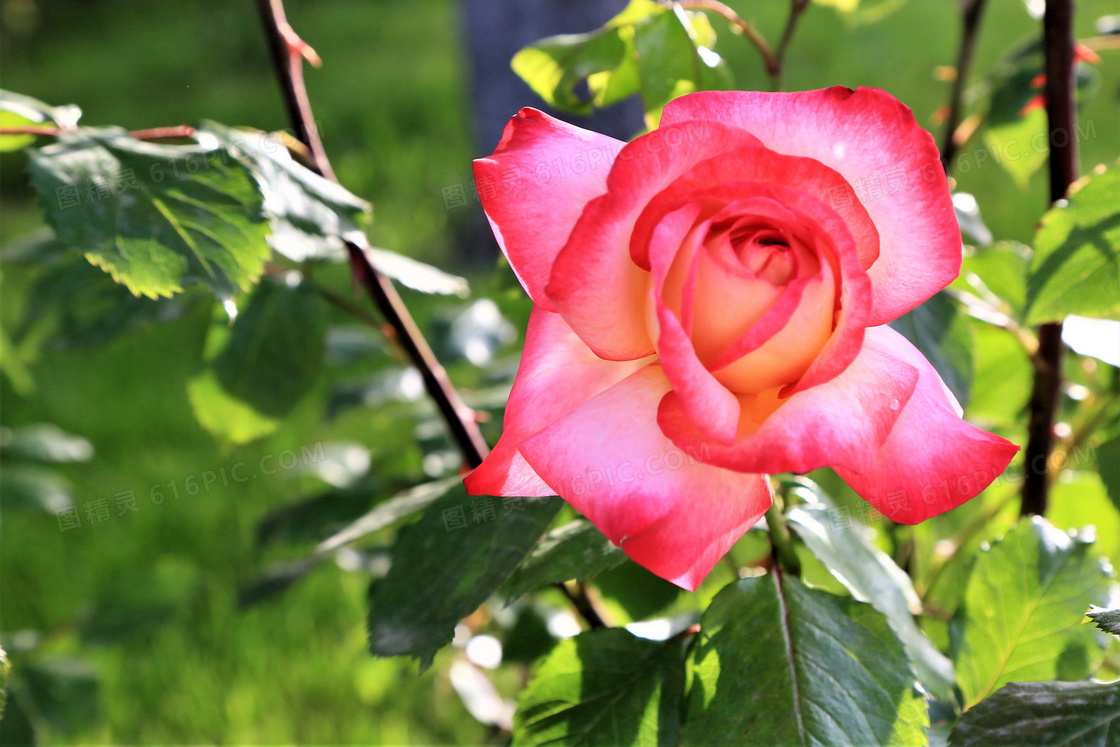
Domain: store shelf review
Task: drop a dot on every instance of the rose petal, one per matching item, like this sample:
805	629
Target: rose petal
558	374
710	405
533	195
873	141
669	511
933	460
843	421
594	282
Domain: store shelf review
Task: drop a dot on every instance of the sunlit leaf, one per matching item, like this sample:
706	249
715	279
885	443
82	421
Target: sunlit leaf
607	687
1076	265
155	217
1021	613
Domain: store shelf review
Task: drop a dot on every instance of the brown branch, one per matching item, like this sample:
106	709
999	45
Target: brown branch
155	133
773	66
288	53
971	13
796	8
583	605
1057	37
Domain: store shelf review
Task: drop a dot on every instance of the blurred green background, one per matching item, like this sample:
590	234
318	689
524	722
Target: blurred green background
145	605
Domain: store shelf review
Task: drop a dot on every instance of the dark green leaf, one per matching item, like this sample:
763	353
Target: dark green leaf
16	728
779	663
448	563
873	577
88	309
1021	613
310	215
943	332
155	217
1107	620
1044	714
1076	266
574	551
606	687
63	691
1108	462
275	349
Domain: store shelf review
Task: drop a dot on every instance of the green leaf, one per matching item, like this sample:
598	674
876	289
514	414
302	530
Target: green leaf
1107	620
574	551
779	663
417	275
155	217
1044	714
650	48
1108	462
87	308
1019	619
968	216
14	142
1018	140
275	349
606	687
63	691
17	110
944	334
553	67
998	275
224	416
34	487
448	563
310	216
873	577
1076	266
673	60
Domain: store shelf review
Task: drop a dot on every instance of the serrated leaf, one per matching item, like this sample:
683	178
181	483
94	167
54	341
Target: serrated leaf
155	217
1107	620
606	687
873	577
943	332
275	349
779	663
1044	714
1021	612
445	565
310	216
574	551
1076	265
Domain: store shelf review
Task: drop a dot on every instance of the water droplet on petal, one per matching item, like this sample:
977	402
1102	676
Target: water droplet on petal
894	404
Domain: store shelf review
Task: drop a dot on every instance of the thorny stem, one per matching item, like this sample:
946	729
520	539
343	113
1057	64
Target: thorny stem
288	52
972	11
1057	34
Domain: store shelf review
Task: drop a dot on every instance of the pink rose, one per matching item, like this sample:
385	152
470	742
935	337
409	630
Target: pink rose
710	307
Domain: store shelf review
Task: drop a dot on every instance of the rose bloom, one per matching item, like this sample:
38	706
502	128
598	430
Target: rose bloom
710	307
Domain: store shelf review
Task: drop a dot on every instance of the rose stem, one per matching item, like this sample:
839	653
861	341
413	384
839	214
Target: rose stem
288	62
781	543
971	12
1057	36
